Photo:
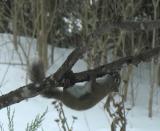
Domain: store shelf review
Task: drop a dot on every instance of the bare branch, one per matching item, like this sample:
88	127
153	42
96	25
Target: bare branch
70	61
135	25
122	25
127	26
117	65
32	89
54	80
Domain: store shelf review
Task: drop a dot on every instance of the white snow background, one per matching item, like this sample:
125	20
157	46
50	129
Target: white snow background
94	119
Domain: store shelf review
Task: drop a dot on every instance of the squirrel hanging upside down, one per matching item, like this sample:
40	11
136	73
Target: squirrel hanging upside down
76	97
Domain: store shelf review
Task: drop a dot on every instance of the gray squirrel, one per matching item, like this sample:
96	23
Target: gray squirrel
76	97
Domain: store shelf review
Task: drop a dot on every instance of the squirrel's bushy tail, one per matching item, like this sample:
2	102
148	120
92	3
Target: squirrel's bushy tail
36	71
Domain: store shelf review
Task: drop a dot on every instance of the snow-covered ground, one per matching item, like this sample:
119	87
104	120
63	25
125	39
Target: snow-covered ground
94	119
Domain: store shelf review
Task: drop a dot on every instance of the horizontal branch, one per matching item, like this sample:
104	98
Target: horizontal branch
32	90
52	81
135	25
108	27
117	65
125	25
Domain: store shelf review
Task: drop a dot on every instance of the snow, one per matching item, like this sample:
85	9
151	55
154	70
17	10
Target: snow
94	119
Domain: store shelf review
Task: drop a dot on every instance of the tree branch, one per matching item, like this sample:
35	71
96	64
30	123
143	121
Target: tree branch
135	25
117	65
121	25
54	80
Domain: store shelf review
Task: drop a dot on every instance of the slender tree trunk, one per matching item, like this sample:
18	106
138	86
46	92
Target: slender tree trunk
153	66
126	83
42	34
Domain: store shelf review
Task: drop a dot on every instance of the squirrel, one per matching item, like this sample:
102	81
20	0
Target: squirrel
75	97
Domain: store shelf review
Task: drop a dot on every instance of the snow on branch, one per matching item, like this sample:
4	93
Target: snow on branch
56	80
